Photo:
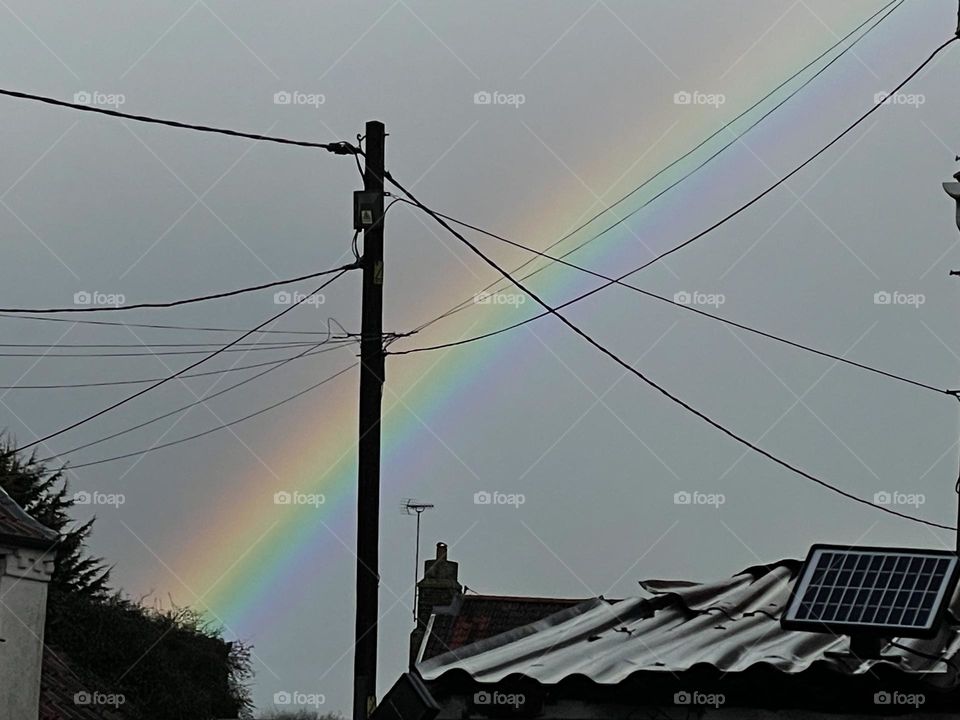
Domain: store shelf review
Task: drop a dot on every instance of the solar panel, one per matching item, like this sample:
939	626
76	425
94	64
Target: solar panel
859	590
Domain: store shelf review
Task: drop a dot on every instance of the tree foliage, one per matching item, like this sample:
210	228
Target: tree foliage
44	495
170	663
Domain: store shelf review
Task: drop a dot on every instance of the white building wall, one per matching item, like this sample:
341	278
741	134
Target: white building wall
24	577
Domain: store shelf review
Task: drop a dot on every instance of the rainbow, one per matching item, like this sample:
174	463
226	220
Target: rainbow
249	551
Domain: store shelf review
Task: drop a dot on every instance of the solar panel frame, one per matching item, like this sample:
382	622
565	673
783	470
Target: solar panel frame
935	604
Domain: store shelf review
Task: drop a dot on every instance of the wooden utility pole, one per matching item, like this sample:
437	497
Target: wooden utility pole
953	190
368	214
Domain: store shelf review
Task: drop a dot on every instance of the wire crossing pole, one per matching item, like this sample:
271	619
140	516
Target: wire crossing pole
369	213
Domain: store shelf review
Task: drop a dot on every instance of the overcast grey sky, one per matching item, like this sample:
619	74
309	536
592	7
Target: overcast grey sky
96	204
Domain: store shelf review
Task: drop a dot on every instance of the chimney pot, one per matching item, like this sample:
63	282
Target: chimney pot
441	551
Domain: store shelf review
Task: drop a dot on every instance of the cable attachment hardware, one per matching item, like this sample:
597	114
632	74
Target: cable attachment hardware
343	148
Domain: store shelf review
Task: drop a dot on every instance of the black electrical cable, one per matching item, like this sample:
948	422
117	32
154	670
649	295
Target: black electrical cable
713	227
659	388
151	353
206	373
180	372
176	303
338	148
214	429
154	326
277	344
200	401
887	9
691	308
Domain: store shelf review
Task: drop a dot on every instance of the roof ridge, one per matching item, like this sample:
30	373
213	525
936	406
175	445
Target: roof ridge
523	598
17	526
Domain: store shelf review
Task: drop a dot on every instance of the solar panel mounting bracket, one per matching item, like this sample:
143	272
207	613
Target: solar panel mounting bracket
864	647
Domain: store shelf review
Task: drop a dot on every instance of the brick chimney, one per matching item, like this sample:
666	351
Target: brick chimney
439	588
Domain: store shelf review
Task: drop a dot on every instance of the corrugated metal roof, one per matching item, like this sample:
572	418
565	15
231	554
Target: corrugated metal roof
731	625
16	525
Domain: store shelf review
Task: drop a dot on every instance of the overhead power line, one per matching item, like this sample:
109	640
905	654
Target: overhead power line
273	344
328	347
702	233
199	401
154	326
338	148
880	15
222	426
180	372
158	353
177	303
656	386
690	308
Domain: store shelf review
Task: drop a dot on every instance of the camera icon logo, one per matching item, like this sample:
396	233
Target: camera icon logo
282	297
882	698
482	498
682	297
682	498
682	98
82	498
282	498
881	298
882	498
82	298
282	98
282	698
82	98
682	698
482	98
482	698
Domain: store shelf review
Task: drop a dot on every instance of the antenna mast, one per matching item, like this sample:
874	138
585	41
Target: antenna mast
411	506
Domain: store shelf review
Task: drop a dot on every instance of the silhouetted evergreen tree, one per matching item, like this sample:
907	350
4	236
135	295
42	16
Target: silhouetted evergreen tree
170	663
44	495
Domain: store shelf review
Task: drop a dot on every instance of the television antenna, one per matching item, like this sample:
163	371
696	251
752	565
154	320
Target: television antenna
414	507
